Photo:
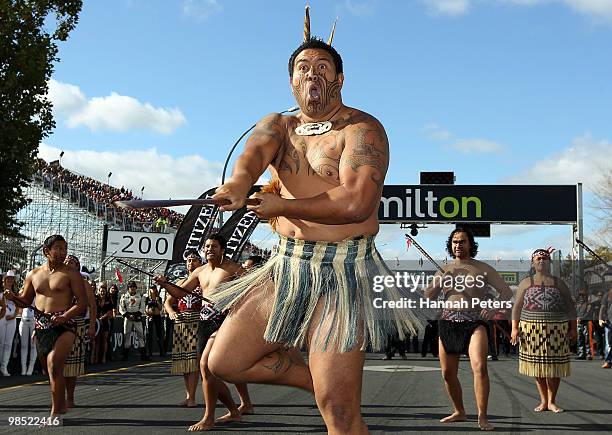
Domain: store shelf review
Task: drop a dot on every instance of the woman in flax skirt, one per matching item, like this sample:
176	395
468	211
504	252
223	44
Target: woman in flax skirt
544	323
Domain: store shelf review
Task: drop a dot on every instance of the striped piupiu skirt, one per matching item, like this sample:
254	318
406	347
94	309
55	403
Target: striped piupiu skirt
75	362
185	343
544	345
333	279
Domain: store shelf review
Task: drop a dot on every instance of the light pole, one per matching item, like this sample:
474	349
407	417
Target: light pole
60	158
108	178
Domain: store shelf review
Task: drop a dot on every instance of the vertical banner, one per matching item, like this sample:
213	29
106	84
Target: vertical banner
237	231
196	225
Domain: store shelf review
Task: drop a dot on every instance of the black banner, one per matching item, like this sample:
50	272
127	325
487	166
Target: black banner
478	203
237	231
196	224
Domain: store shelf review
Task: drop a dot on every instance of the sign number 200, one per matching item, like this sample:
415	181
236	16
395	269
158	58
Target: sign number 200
145	245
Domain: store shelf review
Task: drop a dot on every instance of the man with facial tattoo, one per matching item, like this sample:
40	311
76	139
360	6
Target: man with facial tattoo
330	161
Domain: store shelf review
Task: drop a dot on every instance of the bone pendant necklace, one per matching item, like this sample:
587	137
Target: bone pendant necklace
315	128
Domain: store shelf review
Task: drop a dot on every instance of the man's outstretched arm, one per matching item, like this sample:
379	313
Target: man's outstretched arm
260	149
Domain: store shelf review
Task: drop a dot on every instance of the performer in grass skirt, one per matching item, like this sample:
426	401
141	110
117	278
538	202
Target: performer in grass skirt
185	313
544	324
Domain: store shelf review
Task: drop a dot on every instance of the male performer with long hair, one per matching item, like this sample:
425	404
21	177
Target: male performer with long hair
462	326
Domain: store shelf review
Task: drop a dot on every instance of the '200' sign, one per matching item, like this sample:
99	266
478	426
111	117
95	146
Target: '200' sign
131	244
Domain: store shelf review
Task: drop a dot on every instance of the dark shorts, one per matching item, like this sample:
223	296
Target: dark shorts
46	338
455	336
206	328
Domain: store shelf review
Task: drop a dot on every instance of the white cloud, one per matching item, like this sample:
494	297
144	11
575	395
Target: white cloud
466	146
583	162
448	7
114	112
435	132
201	9
360	8
599	10
163	176
481	146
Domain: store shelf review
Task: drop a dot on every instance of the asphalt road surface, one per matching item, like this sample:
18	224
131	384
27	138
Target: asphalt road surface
398	397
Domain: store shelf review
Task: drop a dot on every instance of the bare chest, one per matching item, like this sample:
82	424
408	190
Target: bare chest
311	156
466	280
55	284
211	278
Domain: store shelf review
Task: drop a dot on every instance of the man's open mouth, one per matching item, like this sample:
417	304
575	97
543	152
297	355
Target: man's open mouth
314	92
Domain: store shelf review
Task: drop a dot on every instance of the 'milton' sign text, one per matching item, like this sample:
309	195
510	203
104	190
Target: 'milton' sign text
478	203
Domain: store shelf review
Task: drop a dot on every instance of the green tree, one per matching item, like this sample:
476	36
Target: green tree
29	31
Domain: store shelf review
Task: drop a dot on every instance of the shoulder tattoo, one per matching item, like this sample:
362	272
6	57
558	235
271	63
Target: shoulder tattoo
370	150
269	128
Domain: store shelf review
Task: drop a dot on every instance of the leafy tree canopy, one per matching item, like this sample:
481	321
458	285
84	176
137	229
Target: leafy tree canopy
29	31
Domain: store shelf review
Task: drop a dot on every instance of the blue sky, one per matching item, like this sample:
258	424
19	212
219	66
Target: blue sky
499	91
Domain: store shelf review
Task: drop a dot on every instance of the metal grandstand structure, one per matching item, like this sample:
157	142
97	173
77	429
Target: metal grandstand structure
56	208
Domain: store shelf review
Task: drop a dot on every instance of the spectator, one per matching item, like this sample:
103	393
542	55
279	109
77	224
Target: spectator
605	319
105	316
132	308
599	333
28	346
153	304
113	296
7	324
583	308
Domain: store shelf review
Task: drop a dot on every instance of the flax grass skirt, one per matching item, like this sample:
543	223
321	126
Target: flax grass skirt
544	348
184	343
335	279
75	362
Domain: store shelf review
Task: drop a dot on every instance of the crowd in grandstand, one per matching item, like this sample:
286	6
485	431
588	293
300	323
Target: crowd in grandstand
155	219
152	219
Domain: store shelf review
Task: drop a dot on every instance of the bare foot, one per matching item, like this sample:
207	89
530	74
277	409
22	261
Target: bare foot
484	424
541	407
455	416
204	424
554	408
58	412
246	409
188	404
230	416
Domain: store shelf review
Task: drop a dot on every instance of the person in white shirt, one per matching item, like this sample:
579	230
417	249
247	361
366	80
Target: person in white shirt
7	324
28	347
132	308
